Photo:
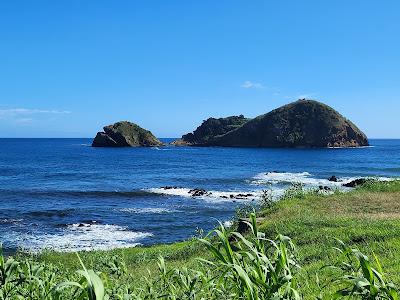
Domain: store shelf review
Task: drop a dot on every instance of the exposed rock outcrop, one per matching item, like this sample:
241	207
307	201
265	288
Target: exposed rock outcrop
125	134
333	179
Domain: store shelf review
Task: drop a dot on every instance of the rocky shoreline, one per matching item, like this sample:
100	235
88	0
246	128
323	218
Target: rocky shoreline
201	192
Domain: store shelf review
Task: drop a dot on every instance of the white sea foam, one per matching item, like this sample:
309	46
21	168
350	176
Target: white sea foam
10	221
209	196
228	224
276	182
304	178
183	192
161	149
84	237
347	148
148	210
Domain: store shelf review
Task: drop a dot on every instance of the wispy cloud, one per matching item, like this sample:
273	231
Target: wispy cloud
28	116
28	111
251	85
23	120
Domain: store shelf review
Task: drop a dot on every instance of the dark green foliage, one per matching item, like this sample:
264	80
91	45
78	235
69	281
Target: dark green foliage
212	128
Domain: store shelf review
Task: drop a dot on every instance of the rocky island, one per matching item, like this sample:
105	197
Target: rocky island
125	134
304	123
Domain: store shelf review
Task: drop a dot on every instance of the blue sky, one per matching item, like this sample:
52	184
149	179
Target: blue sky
69	67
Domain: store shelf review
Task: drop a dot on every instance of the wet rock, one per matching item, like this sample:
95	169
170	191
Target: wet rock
199	192
333	178
168	187
239	196
244	195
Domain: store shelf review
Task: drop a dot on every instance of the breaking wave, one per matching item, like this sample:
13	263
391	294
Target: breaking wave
148	210
304	178
83	237
209	196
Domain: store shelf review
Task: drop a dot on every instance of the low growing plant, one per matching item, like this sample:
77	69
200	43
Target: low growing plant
358	278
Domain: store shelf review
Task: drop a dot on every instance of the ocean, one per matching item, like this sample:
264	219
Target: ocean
64	195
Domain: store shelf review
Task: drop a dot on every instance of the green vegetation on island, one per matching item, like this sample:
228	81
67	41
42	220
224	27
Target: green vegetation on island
343	245
210	129
125	134
304	123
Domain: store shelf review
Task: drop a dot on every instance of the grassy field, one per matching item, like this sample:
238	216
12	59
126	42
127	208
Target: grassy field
367	218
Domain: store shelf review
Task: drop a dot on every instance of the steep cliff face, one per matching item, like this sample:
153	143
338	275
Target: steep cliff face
125	134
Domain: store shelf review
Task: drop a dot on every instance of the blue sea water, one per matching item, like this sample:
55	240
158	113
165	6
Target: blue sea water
65	195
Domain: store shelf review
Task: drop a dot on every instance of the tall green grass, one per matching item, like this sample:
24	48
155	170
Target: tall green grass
235	266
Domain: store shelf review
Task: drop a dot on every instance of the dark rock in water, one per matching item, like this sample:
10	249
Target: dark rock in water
199	192
355	183
125	134
103	140
333	178
238	196
210	129
170	187
304	123
248	195
243	196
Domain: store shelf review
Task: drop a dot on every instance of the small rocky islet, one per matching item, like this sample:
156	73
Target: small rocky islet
301	124
125	134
